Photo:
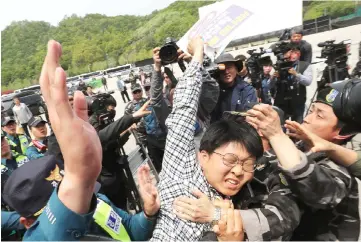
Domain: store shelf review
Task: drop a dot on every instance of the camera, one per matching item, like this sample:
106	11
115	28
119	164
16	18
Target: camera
336	56
98	103
169	52
254	66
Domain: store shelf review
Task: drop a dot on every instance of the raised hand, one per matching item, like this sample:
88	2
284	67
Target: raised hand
314	142
157	60
148	191
78	140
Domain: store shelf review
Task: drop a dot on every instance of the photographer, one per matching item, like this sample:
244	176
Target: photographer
244	72
267	84
305	47
235	92
291	87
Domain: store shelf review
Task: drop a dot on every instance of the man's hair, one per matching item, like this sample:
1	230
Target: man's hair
297	30
89	86
229	131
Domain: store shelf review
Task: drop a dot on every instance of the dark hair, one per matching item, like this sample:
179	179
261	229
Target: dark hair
240	57
227	131
297	30
16	97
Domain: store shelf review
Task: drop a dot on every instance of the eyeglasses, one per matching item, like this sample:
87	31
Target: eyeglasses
137	91
232	160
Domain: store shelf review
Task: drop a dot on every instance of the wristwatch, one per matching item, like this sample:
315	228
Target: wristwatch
216	215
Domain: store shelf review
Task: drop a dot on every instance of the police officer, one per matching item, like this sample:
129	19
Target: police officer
18	142
37	182
38	145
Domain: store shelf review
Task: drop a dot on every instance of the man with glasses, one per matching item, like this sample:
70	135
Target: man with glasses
268	208
225	150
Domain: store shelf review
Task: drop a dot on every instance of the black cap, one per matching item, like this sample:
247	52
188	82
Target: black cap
29	187
7	120
327	96
347	105
136	87
35	121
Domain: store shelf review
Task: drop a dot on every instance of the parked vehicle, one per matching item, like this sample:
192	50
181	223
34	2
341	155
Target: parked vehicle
33	100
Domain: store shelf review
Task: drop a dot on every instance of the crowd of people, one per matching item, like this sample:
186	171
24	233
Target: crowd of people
235	162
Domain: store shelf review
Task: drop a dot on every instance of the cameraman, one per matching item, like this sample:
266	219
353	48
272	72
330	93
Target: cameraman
267	83
291	93
235	92
305	47
244	72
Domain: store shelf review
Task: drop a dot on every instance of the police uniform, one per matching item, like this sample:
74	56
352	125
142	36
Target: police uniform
37	148
39	198
18	144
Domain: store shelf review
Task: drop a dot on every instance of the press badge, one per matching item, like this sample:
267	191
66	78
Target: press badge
114	221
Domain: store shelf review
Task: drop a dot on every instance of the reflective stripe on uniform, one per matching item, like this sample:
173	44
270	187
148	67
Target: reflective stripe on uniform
110	221
21	160
3	169
24	143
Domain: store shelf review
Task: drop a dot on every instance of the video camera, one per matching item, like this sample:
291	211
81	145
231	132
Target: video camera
254	66
97	105
282	64
336	56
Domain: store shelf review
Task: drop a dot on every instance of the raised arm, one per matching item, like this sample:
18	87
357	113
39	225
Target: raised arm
181	121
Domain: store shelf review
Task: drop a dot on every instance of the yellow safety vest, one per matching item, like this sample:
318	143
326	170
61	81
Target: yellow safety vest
110	221
21	160
3	169
24	143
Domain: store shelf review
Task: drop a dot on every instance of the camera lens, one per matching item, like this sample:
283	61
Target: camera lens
168	54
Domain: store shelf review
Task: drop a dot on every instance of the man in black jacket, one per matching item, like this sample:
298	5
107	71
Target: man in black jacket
306	48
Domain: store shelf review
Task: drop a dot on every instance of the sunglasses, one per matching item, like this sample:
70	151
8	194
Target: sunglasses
137	91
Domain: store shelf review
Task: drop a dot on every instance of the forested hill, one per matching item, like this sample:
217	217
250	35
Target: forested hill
91	42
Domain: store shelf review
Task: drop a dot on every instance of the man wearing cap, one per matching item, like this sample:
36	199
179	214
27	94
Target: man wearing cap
38	145
329	194
291	93
146	87
151	133
134	105
235	93
18	143
305	47
30	188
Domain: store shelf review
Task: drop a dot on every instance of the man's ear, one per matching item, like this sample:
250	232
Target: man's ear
339	138
203	157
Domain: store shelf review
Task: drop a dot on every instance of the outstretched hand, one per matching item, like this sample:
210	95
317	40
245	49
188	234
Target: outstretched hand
142	111
313	141
148	191
78	140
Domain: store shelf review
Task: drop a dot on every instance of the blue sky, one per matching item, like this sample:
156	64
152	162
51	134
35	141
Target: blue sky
54	11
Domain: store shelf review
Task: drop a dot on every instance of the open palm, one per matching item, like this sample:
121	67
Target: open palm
315	142
148	191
